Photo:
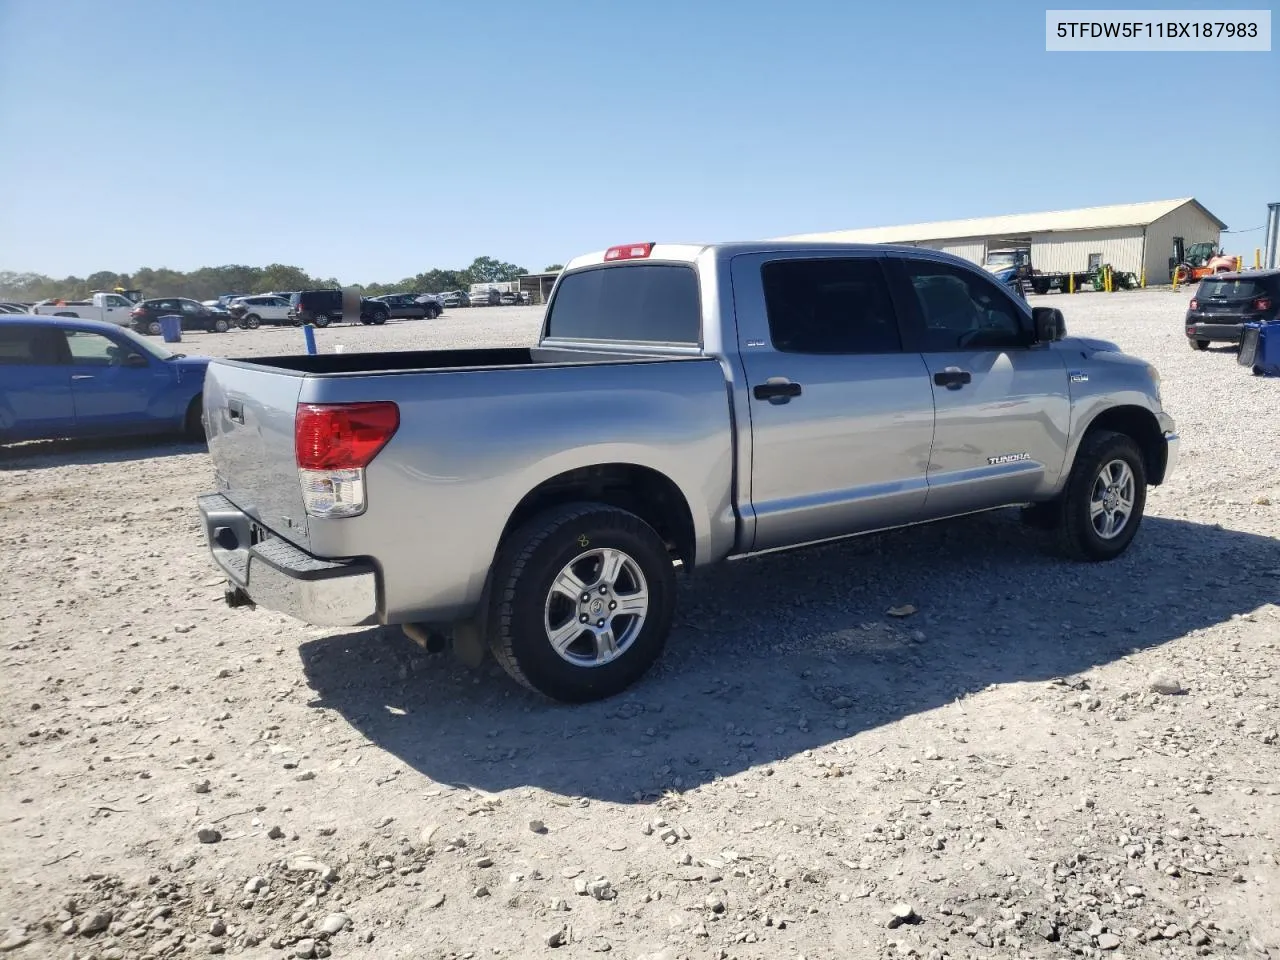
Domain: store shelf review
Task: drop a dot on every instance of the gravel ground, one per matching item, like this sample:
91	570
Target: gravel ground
1043	760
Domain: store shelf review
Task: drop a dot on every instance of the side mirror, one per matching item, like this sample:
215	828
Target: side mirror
1050	324
135	360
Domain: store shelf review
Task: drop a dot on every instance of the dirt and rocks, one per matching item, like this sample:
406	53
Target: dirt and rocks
1025	758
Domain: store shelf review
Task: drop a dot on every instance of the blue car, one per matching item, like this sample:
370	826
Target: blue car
63	377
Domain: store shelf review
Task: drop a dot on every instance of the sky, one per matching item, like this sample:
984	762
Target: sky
371	141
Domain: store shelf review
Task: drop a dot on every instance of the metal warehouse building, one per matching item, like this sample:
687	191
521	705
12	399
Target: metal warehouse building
1134	237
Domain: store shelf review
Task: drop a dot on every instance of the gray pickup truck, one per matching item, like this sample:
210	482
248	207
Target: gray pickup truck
684	404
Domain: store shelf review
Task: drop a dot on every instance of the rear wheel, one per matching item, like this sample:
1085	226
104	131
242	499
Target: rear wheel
379	317
1200	344
153	328
321	320
582	601
433	310
221	326
252	322
1102	506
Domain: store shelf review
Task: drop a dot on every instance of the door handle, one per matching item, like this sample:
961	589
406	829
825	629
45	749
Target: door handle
82	376
776	390
953	378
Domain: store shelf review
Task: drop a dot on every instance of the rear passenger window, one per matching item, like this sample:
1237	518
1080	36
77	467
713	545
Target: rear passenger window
652	303
830	306
27	346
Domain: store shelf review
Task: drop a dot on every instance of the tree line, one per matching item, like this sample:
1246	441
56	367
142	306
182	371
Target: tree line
210	282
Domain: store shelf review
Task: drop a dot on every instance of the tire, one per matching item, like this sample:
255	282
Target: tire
1103	456
193	422
379	318
525	609
1199	344
153	328
251	322
433	311
221	326
321	320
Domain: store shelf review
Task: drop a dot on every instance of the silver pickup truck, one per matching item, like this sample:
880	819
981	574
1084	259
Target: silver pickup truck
684	404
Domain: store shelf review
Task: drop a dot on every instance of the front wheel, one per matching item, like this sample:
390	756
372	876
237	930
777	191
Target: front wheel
221	326
433	311
153	328
379	318
1105	496
582	601
193	423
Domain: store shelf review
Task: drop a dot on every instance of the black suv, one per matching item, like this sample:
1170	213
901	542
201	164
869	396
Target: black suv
1225	301
323	307
145	317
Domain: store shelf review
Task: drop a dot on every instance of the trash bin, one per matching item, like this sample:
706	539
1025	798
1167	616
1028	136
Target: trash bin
171	328
1248	344
1267	361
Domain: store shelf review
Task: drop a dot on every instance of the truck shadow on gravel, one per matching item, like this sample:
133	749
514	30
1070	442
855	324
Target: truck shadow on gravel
777	655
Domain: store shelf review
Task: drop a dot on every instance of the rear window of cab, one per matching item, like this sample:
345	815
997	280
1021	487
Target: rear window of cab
632	303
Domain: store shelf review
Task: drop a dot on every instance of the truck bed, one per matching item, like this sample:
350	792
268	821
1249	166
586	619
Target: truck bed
419	361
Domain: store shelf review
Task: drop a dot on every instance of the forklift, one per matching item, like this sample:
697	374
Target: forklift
1197	262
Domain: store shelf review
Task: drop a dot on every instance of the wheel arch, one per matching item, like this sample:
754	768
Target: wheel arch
1141	425
644	491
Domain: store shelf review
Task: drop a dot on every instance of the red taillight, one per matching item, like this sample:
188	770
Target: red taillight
342	436
1262	303
1194	305
629	251
1191	331
138	312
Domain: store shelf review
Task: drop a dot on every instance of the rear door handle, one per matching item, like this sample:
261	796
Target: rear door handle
953	378
776	390
235	410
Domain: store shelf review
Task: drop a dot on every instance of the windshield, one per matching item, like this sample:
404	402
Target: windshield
998	258
1230	290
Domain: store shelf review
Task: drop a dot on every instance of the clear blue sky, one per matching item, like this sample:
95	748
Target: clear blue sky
372	140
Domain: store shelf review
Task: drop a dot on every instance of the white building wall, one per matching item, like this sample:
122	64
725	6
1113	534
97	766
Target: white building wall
973	249
1188	222
1122	247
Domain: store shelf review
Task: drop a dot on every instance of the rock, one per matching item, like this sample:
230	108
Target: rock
905	610
537	826
580	886
254	884
434	899
899	914
217	928
1108	941
1047	930
201	787
559	905
70	928
714	903
275	833
557	937
304	949
13	939
95	922
305	863
334	923
480	891
1171	932
1166	685
1199	938
601	890
482	862
208	834
305	776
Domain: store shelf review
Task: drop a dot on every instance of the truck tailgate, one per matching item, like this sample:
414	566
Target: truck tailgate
249	415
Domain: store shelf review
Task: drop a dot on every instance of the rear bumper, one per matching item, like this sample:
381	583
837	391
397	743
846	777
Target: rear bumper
1215	330
275	574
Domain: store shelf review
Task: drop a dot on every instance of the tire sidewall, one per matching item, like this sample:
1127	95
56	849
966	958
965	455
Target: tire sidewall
1112	447
545	669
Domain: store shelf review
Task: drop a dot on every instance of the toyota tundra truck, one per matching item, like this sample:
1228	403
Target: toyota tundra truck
684	404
